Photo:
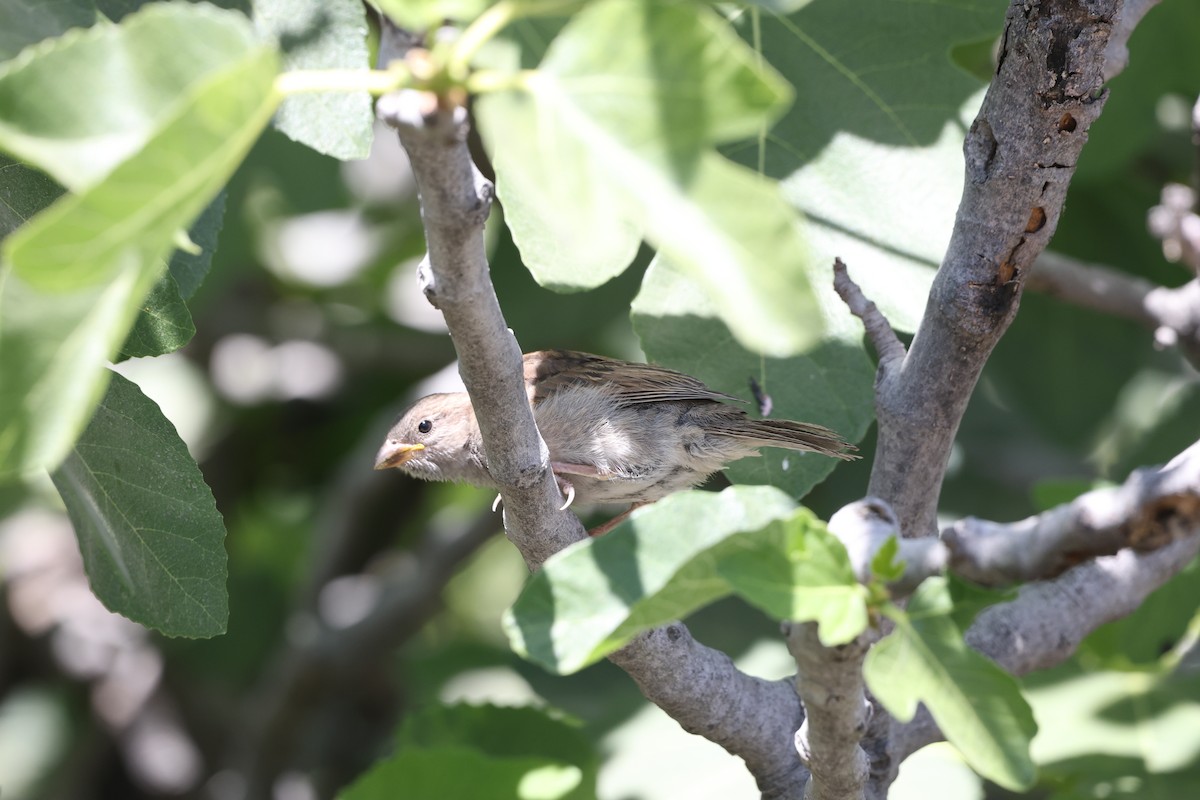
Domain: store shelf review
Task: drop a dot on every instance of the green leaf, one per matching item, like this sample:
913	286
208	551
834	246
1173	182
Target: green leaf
322	34
463	772
610	140
977	705
831	384
164	323
190	269
23	193
674	557
1131	727
26	22
504	733
591	598
871	150
148	528
423	15
75	276
884	565
75	108
796	569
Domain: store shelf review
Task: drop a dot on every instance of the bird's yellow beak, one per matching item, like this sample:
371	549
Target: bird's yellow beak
395	454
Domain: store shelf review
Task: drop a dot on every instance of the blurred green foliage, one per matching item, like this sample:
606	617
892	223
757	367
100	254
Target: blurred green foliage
1069	397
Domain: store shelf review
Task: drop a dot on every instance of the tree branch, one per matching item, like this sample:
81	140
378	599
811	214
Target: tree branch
1154	507
455	202
703	691
889	348
698	686
1173	314
1020	153
829	681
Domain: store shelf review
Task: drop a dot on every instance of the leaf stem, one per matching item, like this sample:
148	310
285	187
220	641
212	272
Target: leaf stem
377	82
492	81
479	32
494	20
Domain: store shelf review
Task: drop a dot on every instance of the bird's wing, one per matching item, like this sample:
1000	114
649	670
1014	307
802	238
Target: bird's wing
547	371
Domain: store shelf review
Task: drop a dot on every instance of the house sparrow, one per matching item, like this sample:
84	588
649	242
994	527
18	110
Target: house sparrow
618	432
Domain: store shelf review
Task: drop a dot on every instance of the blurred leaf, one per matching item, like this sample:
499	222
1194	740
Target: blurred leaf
190	269
163	324
1138	728
504	733
423	15
26	22
463	772
969	599
148	528
831	384
608	142
23	192
1142	638
75	276
885	566
976	704
73	107
676	556
871	150
322	34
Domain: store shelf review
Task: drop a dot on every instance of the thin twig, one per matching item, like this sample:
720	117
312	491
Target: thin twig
887	345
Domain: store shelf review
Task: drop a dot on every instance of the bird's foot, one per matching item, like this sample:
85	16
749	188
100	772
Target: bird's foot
568	491
563	468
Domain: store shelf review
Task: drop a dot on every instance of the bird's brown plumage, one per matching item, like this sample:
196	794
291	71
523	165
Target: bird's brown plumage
617	431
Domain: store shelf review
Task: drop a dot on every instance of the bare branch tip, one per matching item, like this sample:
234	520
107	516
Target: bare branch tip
887	345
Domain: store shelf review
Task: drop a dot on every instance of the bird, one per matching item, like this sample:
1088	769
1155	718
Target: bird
618	432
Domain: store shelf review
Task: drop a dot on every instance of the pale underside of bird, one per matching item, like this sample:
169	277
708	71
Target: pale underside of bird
618	432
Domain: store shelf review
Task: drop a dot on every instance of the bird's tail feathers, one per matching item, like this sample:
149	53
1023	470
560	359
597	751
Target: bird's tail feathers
798	436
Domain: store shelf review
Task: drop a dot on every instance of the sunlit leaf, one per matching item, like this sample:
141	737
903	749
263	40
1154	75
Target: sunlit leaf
977	705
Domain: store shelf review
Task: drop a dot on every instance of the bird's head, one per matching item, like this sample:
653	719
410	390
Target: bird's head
436	439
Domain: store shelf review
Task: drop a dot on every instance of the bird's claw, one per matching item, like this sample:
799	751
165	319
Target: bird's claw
567	490
496	503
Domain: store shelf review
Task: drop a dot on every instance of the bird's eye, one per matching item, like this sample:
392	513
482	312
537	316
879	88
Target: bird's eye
425	425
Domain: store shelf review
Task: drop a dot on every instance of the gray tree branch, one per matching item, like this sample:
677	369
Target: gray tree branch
1154	507
698	686
1021	153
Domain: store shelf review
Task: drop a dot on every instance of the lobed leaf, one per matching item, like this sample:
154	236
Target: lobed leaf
870	152
610	141
676	556
74	277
